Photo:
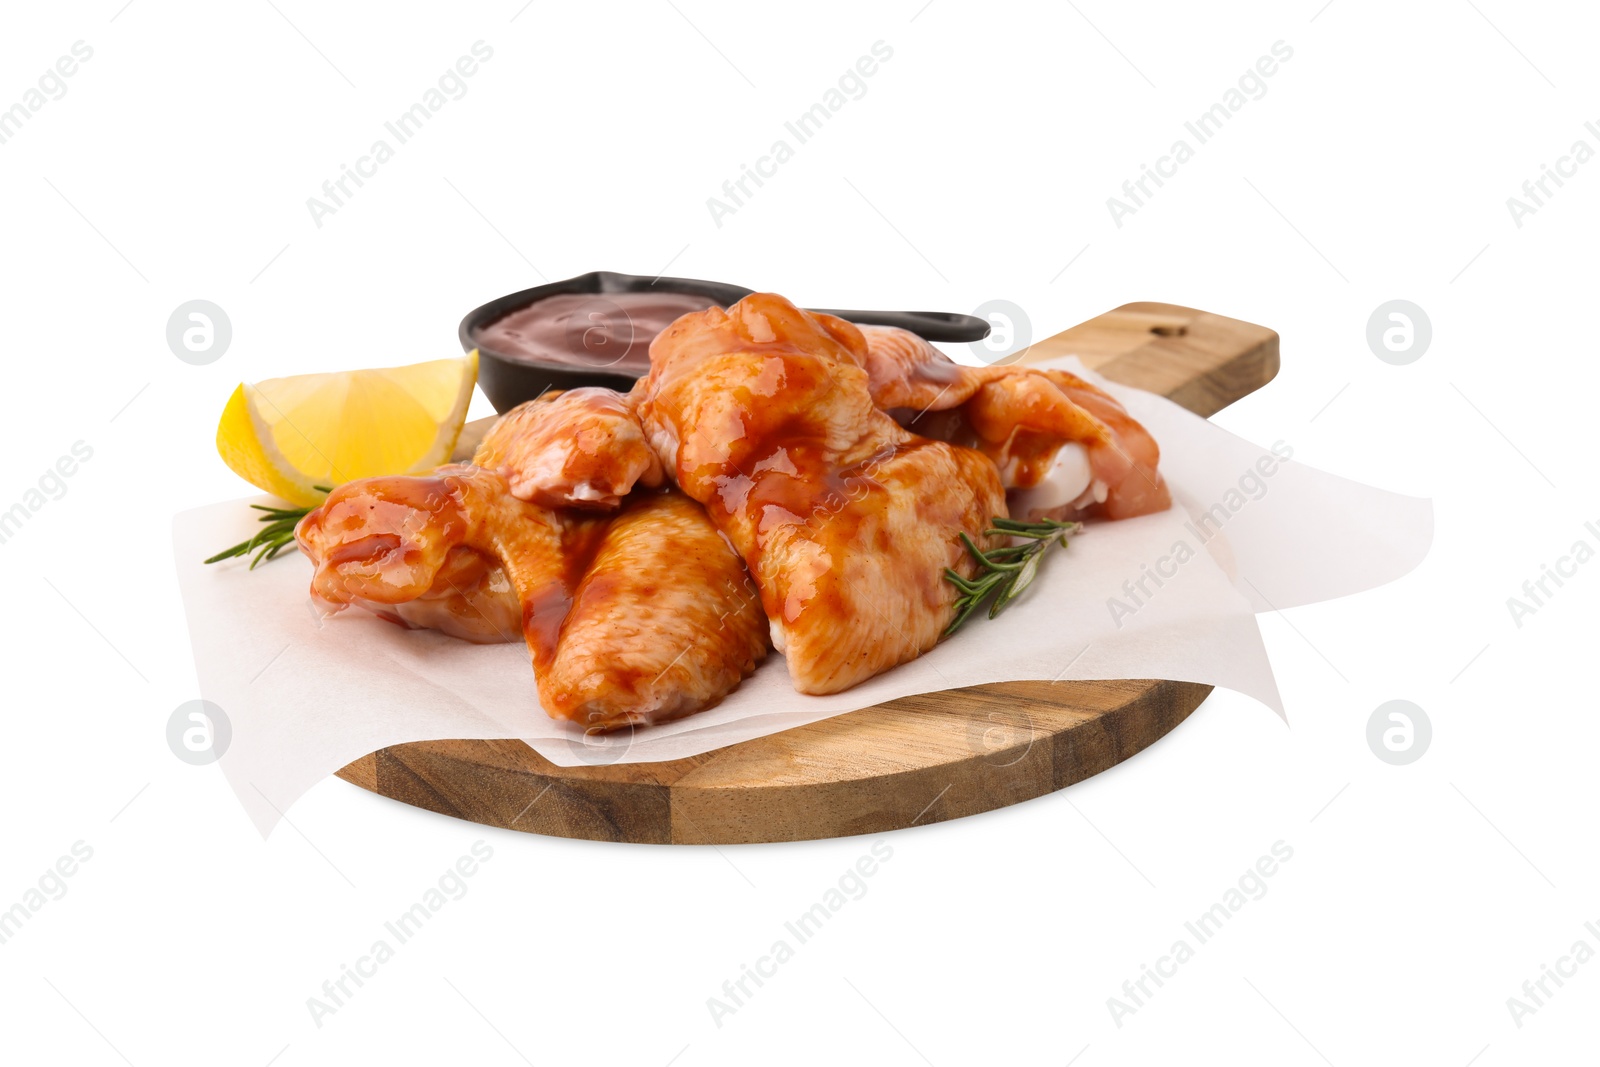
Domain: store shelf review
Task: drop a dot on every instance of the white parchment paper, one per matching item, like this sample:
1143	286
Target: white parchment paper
1163	596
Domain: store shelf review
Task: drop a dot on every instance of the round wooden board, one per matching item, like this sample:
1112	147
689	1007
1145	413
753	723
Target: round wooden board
911	761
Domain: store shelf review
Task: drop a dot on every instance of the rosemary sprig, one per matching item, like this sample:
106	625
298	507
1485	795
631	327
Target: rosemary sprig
274	537
1007	571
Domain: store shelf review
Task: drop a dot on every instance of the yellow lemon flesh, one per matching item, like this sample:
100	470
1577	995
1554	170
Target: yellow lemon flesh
289	435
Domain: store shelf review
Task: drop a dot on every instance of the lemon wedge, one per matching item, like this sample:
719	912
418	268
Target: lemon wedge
289	435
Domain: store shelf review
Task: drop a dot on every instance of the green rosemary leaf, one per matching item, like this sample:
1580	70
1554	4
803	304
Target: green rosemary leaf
1013	589
275	535
965	607
1006	571
961	583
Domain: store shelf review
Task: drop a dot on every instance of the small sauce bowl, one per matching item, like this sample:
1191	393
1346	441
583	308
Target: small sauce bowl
599	332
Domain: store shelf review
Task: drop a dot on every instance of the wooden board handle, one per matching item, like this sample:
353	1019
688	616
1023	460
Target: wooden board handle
1199	360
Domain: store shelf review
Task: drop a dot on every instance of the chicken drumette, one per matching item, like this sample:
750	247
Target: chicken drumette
1064	448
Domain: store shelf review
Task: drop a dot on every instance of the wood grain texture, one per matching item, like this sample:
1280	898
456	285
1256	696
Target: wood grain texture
912	761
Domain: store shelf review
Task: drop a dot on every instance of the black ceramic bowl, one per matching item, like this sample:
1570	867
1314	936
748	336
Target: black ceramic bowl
508	382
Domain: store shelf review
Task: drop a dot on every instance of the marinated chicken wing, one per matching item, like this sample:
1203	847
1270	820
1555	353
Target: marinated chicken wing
582	448
764	414
382	543
629	619
664	621
1065	448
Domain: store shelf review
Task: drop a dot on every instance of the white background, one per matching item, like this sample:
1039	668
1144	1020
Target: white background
976	166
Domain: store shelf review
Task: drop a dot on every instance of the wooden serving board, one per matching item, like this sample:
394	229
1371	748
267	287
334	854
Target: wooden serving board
911	761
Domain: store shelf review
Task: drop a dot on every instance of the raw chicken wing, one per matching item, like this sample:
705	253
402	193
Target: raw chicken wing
635	618
1065	448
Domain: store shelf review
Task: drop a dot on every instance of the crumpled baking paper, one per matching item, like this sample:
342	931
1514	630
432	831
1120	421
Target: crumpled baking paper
1171	596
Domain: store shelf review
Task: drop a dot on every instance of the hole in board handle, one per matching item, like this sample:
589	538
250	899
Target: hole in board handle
1169	331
